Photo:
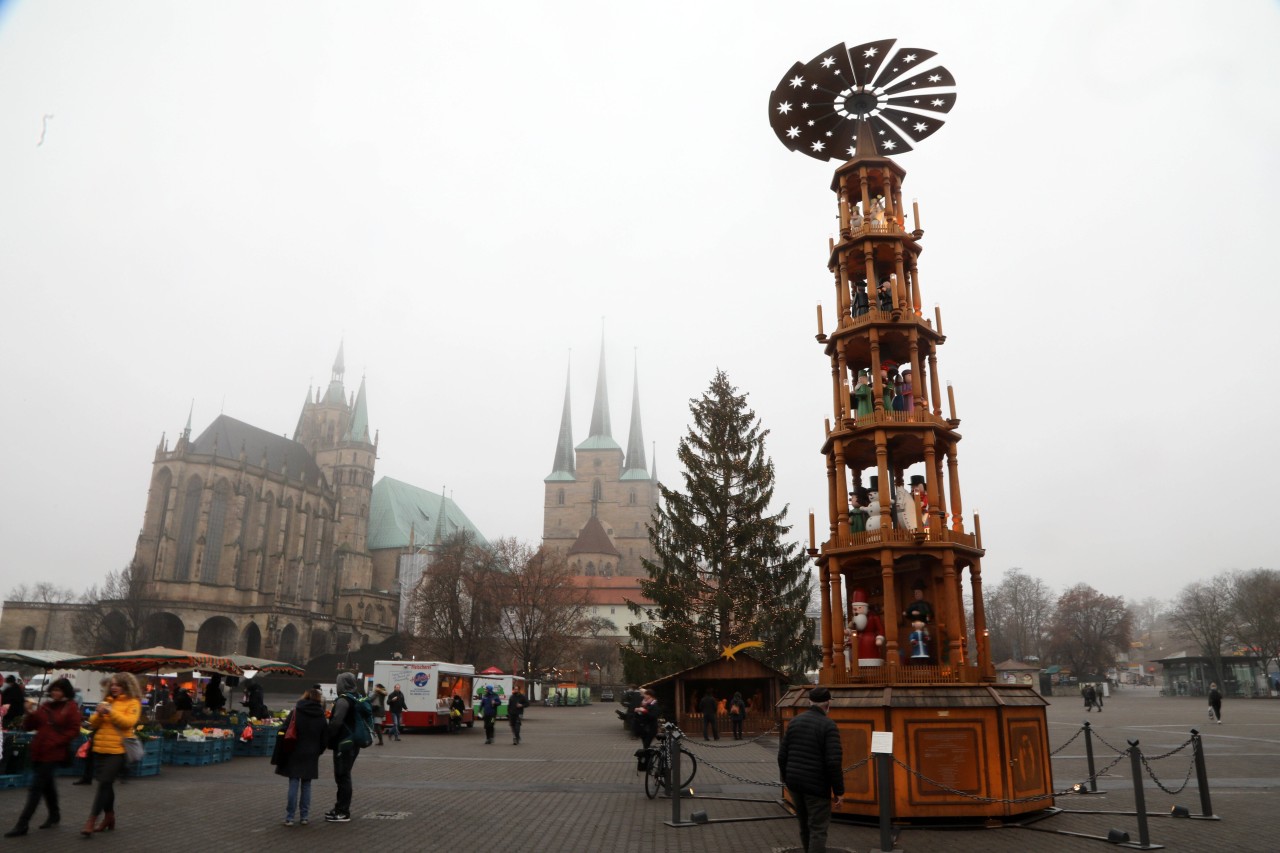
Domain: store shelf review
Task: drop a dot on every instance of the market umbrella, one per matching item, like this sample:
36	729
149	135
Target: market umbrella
153	660
265	666
493	670
46	659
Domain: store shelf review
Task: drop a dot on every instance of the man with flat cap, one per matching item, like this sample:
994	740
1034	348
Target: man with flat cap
811	763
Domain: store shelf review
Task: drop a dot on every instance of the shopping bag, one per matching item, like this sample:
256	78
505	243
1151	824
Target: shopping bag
133	750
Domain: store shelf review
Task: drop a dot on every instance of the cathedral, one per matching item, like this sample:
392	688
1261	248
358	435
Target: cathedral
598	503
257	544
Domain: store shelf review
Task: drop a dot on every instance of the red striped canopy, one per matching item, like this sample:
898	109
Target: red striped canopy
150	660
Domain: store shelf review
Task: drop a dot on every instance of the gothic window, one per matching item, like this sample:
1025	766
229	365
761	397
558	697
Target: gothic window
214	534
632	498
267	543
28	639
560	497
591	569
158	502
347	612
290	590
246	537
187	532
596	490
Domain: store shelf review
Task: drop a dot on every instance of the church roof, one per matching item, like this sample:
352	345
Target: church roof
594	540
601	435
359	428
226	436
562	468
397	509
635	465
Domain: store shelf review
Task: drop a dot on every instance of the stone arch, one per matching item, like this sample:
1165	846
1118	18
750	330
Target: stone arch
368	613
115	630
288	648
319	642
217	636
163	629
28	638
382	615
591	568
346	612
188	528
251	640
210	566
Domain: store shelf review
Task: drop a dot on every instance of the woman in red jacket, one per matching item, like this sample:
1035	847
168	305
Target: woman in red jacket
56	723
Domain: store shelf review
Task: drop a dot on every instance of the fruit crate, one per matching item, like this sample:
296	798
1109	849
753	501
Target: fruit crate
263	743
151	758
193	753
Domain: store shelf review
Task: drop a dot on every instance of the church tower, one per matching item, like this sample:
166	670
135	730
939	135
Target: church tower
598	500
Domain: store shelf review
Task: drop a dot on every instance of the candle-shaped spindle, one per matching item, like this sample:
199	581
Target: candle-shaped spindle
813	541
820	332
915	215
937	316
951	400
977	529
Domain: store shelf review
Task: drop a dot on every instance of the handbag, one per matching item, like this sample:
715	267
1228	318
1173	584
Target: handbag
133	750
291	730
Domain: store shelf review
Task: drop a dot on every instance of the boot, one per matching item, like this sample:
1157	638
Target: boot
51	821
19	829
108	822
87	831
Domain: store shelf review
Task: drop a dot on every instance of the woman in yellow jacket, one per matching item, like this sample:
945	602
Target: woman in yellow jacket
112	722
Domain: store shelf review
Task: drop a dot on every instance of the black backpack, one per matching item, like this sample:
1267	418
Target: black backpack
359	722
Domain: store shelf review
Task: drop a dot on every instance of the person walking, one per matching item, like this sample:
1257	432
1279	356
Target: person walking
810	761
516	703
338	735
457	708
86	778
1215	702
397	706
298	758
1090	697
11	699
112	722
737	713
56	723
379	702
489	704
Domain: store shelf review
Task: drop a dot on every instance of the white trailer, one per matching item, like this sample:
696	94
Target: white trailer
428	688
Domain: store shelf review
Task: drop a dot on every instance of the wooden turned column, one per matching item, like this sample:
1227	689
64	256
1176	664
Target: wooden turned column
979	617
843	301
836	617
841	513
918	397
865	186
836	382
953	477
933	384
877	383
833	485
952	607
931	472
915	288
823	574
842	369
890	605
884	488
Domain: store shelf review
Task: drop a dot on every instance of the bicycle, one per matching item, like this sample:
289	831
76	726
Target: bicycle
659	761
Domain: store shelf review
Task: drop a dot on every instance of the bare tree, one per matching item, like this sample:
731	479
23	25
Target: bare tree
1089	630
1202	614
43	592
453	613
1018	610
1255	610
545	613
117	615
1146	614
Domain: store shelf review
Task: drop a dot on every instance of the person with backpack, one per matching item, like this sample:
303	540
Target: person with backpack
379	703
489	704
350	729
516	703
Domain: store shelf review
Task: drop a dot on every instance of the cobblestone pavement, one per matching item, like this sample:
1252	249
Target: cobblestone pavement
571	785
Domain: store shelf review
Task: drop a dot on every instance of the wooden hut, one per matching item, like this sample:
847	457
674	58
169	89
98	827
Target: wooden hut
761	686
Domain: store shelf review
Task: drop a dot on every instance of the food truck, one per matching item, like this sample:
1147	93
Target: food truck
503	685
428	688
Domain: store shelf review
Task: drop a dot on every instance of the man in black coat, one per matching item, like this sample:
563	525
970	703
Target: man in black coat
709	708
811	763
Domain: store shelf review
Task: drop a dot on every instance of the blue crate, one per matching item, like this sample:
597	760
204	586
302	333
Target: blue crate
263	743
15	780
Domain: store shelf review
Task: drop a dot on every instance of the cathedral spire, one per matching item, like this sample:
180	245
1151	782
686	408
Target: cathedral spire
359	429
600	411
186	431
336	393
563	467
635	465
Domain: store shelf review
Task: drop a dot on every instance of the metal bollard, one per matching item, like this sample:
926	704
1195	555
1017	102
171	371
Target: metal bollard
673	777
1139	796
1202	775
1088	751
884	793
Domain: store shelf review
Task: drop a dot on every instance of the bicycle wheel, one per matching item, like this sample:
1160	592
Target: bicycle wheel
655	776
688	767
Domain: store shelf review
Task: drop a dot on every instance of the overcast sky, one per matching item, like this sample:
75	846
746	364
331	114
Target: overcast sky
199	201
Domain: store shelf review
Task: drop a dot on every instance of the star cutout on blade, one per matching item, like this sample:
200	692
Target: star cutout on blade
797	82
814	86
870	52
828	62
828	133
853	152
818	146
921	127
811	123
793	132
890	144
805	105
937	102
934	78
910	57
784	107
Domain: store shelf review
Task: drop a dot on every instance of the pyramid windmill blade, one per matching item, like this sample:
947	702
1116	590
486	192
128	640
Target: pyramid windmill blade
867	59
933	78
904	61
917	127
934	102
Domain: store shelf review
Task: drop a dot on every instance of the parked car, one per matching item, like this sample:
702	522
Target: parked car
606	695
